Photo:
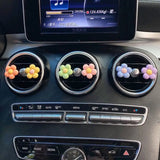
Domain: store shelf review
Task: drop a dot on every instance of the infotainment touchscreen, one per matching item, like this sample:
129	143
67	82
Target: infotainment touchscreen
79	15
80	20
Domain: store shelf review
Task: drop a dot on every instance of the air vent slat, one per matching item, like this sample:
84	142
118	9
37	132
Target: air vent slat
143	83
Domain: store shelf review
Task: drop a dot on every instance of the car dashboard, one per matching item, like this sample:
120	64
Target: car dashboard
78	100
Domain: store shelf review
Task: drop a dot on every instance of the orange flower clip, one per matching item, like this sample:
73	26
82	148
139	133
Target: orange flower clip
11	72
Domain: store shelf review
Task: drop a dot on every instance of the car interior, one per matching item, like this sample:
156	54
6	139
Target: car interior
79	79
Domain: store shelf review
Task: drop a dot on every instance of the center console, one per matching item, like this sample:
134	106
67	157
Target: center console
81	94
54	98
56	148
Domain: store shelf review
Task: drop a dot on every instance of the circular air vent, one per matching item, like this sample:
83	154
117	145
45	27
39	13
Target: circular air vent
77	73
24	72
134	74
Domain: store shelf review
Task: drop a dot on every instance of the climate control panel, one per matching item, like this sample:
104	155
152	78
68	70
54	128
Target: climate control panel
56	148
80	113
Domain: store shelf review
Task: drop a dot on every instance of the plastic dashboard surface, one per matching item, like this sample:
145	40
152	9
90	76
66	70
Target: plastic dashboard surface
104	92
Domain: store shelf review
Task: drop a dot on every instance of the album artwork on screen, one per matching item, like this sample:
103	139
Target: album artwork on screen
76	15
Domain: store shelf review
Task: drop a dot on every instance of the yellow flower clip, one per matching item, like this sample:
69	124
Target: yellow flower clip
32	71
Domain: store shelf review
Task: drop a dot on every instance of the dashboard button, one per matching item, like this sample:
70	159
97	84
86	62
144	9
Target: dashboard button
127	153
103	118
115	119
136	119
23	140
105	109
24	148
125	119
95	117
76	117
23	116
52	150
113	151
38	107
58	107
115	109
30	107
95	108
48	107
38	149
38	116
52	116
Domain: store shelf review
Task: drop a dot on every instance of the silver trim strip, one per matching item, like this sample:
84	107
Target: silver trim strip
88	113
148	35
81	138
128	93
42	72
72	54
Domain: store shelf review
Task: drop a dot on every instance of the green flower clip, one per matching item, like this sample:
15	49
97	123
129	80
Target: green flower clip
65	71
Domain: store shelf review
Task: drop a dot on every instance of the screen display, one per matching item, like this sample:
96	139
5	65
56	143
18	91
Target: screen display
79	16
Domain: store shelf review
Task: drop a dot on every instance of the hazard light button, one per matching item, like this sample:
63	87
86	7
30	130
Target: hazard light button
128	153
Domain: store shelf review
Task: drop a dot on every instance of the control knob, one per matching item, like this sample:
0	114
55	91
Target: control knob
73	154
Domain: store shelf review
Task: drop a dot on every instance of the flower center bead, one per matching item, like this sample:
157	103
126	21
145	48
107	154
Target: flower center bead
65	70
32	71
124	70
149	72
89	70
10	71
